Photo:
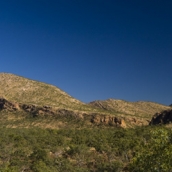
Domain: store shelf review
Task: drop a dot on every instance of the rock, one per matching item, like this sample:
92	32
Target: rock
164	117
123	124
108	120
36	110
28	108
4	104
69	113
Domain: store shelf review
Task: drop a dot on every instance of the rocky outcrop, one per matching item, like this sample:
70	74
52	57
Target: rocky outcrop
164	117
40	111
108	120
49	111
4	104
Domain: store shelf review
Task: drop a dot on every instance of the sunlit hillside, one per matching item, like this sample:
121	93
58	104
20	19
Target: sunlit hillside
20	89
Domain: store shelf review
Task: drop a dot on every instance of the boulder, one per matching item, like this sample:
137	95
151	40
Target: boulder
164	117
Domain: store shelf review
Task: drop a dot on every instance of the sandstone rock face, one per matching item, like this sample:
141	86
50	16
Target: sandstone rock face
164	117
108	120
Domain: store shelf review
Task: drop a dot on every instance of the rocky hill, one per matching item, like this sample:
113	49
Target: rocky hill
19	89
140	108
134	113
36	99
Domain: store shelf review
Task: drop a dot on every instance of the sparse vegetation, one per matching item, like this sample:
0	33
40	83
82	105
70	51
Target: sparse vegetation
39	138
92	149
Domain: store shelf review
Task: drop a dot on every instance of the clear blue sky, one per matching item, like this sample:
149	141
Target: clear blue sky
91	49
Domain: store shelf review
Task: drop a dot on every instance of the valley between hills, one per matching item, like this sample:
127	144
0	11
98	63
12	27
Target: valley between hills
43	128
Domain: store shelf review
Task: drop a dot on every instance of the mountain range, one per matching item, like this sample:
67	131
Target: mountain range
22	98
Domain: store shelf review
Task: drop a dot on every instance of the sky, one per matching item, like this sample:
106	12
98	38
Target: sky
91	49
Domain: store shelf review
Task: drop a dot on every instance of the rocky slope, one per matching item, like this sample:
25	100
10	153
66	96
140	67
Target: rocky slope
141	108
35	110
19	89
133	113
25	96
32	110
